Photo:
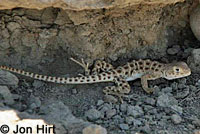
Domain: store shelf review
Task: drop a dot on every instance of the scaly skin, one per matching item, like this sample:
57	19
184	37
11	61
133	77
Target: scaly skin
105	72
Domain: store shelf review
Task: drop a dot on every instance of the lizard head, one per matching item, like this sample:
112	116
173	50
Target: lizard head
176	70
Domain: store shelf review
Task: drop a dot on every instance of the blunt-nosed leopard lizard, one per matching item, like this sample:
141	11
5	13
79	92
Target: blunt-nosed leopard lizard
105	72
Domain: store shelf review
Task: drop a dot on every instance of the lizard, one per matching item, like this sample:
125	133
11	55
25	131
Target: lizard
104	72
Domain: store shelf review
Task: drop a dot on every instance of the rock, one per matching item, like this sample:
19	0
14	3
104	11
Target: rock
110	98
105	107
123	107
195	22
176	119
29	39
12	26
74	91
150	101
38	83
7	78
182	94
93	114
181	86
110	113
196	131
165	100
193	88
182	23
124	126
6	95
198	83
129	120
62	18
94	129
4	44
135	111
174	50
137	122
58	112
77	4
194	60
34	102
196	122
146	129
48	15
166	90
117	119
178	109
100	102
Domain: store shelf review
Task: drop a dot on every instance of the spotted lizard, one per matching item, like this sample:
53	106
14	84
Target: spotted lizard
105	72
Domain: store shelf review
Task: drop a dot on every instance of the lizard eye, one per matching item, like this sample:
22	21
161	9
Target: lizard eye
177	69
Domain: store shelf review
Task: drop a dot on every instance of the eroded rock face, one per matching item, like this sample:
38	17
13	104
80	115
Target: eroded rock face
50	36
79	4
195	22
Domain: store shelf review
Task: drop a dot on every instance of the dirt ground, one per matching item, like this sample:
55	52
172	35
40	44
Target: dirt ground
43	44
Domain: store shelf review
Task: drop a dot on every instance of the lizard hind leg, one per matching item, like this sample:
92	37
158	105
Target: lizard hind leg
101	66
122	87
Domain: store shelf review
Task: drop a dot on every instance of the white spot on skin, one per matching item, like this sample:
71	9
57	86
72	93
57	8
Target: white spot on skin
135	76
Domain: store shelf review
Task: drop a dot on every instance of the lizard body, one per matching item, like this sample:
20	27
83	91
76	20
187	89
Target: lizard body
105	72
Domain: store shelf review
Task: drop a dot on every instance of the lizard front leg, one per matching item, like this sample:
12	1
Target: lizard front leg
144	82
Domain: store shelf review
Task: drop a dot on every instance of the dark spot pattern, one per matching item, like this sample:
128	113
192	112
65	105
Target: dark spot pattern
131	65
147	63
126	67
140	62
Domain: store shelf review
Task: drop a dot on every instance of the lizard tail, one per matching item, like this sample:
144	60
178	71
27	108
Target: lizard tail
103	77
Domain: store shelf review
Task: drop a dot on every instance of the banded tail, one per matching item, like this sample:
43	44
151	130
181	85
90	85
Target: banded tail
103	77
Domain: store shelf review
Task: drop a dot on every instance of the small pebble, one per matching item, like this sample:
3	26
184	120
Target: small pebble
135	111
38	83
167	90
74	91
100	102
129	120
174	50
124	126
176	119
93	114
94	129
123	107
177	109
137	122
192	88
165	100
110	113
110	98
196	123
6	95
182	94
150	101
